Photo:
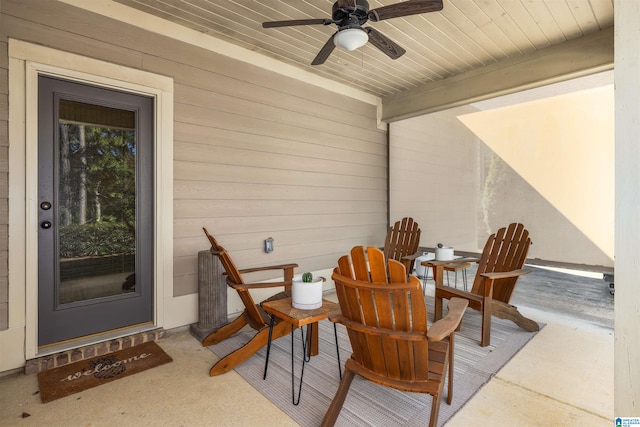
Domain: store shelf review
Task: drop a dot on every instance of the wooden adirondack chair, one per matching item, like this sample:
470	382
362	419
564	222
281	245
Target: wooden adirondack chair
499	267
386	318
253	314
402	242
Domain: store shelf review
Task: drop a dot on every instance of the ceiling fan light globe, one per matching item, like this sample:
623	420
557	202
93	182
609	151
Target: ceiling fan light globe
351	38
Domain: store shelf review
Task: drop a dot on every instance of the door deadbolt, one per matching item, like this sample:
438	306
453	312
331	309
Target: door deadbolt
45	206
45	224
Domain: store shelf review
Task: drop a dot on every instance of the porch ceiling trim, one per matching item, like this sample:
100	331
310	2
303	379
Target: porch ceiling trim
575	58
166	28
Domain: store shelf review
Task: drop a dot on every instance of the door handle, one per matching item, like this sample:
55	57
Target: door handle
45	224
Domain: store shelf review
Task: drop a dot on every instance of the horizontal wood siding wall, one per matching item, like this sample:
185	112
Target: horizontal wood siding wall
4	186
434	168
256	154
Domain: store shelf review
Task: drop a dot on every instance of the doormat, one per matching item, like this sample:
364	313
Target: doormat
75	377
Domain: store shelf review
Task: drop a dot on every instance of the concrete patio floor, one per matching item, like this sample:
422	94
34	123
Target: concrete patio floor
564	376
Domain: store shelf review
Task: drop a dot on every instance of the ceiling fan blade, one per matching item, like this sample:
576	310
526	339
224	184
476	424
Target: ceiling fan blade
385	44
291	23
405	8
325	51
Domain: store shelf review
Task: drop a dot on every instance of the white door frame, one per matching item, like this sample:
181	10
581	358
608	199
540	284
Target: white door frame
26	62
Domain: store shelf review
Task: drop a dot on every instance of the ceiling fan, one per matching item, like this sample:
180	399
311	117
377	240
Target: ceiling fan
351	15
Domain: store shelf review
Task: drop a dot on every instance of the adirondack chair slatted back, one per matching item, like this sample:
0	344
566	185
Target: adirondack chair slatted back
386	319
385	315
403	239
253	314
499	267
505	250
255	318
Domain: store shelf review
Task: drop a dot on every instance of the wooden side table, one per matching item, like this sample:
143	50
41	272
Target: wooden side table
455	267
282	309
448	266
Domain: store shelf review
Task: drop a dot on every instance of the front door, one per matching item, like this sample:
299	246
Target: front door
95	210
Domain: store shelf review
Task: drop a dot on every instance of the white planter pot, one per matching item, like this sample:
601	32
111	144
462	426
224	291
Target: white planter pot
306	296
421	270
444	253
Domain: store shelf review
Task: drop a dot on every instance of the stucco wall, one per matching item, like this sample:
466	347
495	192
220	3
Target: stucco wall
548	163
433	170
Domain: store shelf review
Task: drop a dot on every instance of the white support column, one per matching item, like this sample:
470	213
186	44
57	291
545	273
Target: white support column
627	208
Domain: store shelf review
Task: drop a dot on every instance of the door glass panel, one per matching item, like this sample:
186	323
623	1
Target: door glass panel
96	209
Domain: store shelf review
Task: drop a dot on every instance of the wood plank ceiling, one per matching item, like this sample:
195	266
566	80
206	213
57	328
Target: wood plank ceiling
465	35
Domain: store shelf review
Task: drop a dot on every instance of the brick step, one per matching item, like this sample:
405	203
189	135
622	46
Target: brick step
62	358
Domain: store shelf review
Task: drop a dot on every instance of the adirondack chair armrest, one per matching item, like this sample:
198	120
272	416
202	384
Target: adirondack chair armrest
449	293
505	274
412	256
448	324
259	285
262	285
335	315
490	278
267	268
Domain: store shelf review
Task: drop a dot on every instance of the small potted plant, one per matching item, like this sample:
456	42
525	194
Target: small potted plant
306	292
444	253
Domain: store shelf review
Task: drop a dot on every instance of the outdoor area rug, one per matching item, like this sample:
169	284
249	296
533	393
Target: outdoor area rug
75	377
368	404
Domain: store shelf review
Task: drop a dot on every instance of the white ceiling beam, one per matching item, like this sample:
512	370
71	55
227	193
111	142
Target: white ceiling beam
574	58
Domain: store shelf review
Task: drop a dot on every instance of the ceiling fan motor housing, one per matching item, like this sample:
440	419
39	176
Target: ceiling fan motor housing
350	16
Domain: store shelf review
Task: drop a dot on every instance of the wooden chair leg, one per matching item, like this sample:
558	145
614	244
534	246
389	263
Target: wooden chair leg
336	404
258	341
450	362
225	331
437	311
507	311
437	278
312	339
435	407
485	339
